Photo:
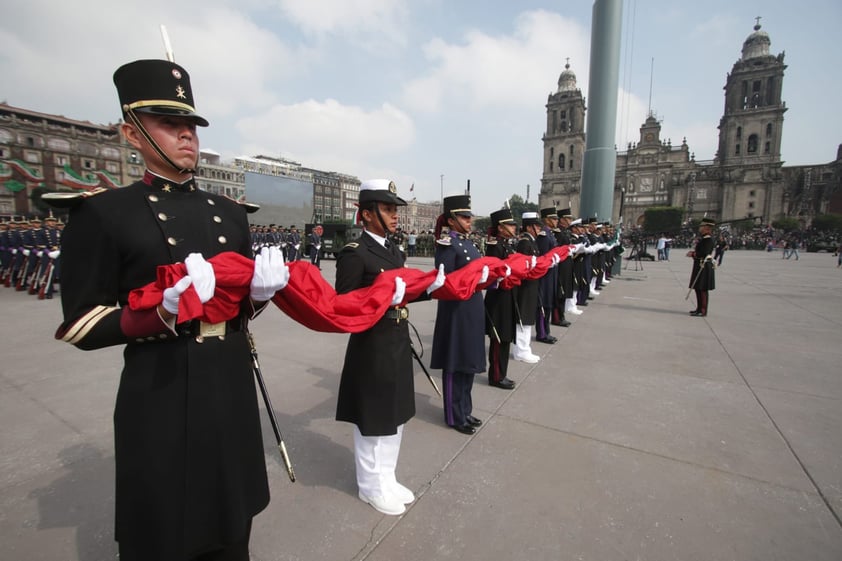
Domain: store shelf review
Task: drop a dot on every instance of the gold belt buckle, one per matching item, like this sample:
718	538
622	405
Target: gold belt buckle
211	329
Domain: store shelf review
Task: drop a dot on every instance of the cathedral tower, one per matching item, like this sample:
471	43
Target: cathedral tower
564	143
750	131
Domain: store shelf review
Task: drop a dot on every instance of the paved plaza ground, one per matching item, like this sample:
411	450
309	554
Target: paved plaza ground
643	434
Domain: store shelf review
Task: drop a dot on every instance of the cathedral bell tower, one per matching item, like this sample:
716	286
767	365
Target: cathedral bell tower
750	132
752	124
564	143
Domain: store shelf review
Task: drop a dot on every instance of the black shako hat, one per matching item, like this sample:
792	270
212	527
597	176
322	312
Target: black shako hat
565	213
380	190
159	87
549	212
708	222
457	204
503	216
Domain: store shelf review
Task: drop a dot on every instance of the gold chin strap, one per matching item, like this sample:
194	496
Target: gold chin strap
136	122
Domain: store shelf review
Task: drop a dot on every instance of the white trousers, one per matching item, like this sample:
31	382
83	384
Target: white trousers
376	458
523	340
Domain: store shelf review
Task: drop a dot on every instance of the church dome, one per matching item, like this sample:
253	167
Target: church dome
757	44
567	80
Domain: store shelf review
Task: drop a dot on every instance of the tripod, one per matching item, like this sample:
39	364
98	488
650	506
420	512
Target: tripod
637	250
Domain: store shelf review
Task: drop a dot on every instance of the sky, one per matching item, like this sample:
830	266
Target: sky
429	93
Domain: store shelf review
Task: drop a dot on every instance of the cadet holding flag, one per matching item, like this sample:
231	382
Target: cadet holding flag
190	468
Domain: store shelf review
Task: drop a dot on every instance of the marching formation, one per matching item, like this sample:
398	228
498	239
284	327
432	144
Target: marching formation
29	255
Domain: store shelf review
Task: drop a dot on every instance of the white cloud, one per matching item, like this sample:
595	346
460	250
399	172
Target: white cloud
369	22
510	70
329	135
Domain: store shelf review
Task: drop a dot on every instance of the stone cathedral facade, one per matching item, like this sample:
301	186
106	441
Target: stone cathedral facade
746	178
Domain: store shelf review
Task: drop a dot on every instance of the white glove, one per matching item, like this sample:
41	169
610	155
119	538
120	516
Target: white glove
400	291
484	277
55	253
173	294
556	259
271	274
14	251
297	246
534	262
25	252
439	282
204	280
508	271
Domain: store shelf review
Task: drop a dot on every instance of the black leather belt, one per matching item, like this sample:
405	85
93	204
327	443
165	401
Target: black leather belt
397	314
196	328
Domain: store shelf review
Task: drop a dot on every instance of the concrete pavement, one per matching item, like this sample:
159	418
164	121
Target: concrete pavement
642	434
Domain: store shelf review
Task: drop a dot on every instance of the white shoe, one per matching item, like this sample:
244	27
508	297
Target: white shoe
528	359
575	311
606	281
594	293
403	494
386	505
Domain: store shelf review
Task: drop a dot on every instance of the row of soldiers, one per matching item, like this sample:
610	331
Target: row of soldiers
29	254
568	285
289	241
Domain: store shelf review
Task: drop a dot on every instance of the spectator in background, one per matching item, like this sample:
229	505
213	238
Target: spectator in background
411	240
662	247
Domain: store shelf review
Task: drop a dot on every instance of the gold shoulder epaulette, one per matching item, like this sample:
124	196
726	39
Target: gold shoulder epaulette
351	245
63	199
443	241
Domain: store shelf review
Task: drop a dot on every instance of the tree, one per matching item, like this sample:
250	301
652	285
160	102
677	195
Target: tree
828	223
519	206
786	223
662	219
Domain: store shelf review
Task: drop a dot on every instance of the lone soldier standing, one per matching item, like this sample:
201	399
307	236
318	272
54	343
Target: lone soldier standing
703	277
190	468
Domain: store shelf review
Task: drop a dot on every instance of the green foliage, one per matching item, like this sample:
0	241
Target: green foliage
828	223
787	224
662	219
519	206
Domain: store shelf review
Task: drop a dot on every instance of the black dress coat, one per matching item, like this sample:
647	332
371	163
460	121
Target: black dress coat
527	293
565	268
458	336
548	284
500	303
376	391
707	280
188	447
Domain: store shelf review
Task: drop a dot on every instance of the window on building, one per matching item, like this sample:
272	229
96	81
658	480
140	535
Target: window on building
751	204
61	159
561	161
551	166
87	164
737	150
563	126
133	158
769	129
739	132
564	114
32	157
4	152
752	193
767	148
752	144
770	91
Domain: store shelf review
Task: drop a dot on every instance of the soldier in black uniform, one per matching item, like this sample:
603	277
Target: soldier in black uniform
703	276
526	300
459	335
566	298
376	391
500	302
189	453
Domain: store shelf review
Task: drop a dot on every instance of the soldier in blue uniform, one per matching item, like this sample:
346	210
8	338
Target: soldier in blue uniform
548	284
500	302
458	337
293	244
314	245
377	391
16	255
190	468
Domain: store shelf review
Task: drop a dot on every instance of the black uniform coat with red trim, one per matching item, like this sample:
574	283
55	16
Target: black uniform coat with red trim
500	303
707	280
189	453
